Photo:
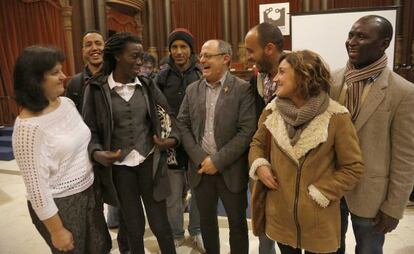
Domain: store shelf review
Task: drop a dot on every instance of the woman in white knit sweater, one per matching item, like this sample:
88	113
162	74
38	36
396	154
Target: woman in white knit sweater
50	143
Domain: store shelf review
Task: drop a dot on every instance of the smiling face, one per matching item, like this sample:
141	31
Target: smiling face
286	81
213	62
255	53
129	61
53	82
365	44
92	49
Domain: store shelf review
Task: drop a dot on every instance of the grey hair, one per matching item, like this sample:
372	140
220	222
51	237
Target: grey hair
225	47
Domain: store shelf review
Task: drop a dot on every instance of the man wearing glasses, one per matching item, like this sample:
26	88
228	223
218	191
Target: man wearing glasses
217	121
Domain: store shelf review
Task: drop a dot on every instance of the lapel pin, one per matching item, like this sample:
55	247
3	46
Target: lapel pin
226	88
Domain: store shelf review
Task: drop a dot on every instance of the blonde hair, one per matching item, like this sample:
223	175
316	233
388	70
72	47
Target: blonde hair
311	73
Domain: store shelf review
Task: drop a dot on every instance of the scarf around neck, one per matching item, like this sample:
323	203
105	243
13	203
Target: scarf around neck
296	119
355	80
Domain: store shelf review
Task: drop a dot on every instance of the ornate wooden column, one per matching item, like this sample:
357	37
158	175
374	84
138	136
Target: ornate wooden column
100	13
152	50
167	24
88	15
67	26
226	23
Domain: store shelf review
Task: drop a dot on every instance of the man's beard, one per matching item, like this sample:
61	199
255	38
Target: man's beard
264	65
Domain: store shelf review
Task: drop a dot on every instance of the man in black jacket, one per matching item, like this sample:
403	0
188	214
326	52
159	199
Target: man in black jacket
92	52
181	71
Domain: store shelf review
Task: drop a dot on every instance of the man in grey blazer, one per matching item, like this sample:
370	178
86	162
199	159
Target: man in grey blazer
217	121
381	104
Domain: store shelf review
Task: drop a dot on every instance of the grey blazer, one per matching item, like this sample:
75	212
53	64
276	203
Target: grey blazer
385	128
234	126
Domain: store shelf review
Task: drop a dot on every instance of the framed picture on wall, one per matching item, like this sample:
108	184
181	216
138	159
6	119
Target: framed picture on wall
276	14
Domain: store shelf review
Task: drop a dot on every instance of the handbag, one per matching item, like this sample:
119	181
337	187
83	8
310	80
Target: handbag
258	199
166	126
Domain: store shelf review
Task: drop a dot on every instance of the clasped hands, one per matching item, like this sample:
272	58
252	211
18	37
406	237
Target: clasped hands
207	167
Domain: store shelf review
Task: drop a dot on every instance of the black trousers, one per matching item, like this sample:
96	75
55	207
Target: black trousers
211	188
344	225
132	184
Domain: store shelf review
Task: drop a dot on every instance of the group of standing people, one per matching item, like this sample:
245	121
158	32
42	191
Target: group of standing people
321	146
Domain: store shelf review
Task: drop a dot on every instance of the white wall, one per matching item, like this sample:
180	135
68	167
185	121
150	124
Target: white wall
326	34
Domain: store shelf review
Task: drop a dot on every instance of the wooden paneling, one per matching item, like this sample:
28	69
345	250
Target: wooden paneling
203	18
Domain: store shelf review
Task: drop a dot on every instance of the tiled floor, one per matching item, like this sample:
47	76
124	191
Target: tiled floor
18	235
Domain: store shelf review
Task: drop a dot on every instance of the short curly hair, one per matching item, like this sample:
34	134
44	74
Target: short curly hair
29	72
311	73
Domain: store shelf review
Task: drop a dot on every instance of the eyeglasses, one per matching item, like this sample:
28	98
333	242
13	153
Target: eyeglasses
208	56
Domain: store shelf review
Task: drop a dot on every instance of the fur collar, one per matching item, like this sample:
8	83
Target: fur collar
313	135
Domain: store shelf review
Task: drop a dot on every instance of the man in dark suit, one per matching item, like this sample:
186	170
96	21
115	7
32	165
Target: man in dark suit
217	120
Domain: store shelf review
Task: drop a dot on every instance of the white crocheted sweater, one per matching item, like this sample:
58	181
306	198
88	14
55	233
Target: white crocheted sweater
51	152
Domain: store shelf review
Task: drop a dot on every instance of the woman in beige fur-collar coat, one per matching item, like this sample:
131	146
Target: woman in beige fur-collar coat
314	159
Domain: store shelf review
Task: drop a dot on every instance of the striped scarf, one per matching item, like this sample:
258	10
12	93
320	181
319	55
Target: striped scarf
355	79
296	119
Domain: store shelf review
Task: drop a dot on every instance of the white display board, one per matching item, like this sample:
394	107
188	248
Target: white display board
326	33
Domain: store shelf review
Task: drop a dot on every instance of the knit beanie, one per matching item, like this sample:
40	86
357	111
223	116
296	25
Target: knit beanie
181	34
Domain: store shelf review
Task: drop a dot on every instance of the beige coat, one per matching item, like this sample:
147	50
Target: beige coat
385	128
313	175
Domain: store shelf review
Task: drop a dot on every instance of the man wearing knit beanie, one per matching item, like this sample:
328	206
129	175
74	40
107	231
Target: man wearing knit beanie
181	34
181	71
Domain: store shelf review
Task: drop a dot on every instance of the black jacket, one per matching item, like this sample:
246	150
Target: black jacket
97	114
259	101
76	87
173	84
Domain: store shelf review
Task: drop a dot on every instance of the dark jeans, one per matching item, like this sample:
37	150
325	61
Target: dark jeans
367	240
210	189
133	183
286	249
